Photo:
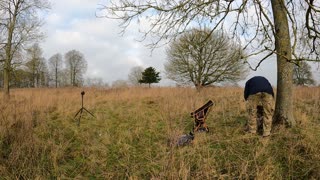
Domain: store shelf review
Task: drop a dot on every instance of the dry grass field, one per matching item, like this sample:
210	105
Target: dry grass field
133	135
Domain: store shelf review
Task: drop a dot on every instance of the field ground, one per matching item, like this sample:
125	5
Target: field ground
133	135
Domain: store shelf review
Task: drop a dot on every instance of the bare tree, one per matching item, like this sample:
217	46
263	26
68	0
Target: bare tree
264	27
95	82
19	24
36	66
64	79
135	75
55	66
76	66
202	60
119	84
302	74
20	78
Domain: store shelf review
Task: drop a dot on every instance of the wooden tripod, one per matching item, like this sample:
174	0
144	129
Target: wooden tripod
82	109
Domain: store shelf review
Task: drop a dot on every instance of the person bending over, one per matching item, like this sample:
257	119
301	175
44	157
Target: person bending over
259	97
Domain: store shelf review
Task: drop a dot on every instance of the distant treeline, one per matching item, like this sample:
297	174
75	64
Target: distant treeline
31	69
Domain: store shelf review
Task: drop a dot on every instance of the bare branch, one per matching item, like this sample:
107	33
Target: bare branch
169	19
312	23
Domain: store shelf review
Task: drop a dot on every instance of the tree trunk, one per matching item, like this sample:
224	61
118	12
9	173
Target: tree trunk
8	52
74	78
71	76
284	103
56	76
7	65
198	86
6	79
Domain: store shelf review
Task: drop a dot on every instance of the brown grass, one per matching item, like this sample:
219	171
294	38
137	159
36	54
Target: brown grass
133	134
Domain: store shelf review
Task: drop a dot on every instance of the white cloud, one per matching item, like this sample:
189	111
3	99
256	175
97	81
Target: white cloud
54	19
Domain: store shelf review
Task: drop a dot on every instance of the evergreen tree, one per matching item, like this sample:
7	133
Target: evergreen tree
149	76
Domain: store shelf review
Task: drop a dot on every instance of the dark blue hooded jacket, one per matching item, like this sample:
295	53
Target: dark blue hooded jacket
257	84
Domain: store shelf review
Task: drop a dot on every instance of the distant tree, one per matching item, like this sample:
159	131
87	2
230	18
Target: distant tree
76	66
55	67
20	78
150	76
19	25
204	58
302	74
94	82
120	84
36	66
135	75
44	74
64	79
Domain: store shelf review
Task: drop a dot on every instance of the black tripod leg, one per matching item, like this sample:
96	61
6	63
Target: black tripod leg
88	112
77	113
80	116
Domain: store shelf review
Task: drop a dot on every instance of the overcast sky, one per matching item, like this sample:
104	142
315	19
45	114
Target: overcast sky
72	24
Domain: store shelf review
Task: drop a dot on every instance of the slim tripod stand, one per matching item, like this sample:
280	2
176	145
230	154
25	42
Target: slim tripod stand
81	109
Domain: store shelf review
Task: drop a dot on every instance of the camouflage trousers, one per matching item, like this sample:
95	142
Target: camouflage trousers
260	108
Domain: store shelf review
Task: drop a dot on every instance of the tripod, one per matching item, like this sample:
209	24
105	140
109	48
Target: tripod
81	109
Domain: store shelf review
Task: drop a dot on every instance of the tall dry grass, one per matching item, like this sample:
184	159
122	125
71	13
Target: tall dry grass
134	130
